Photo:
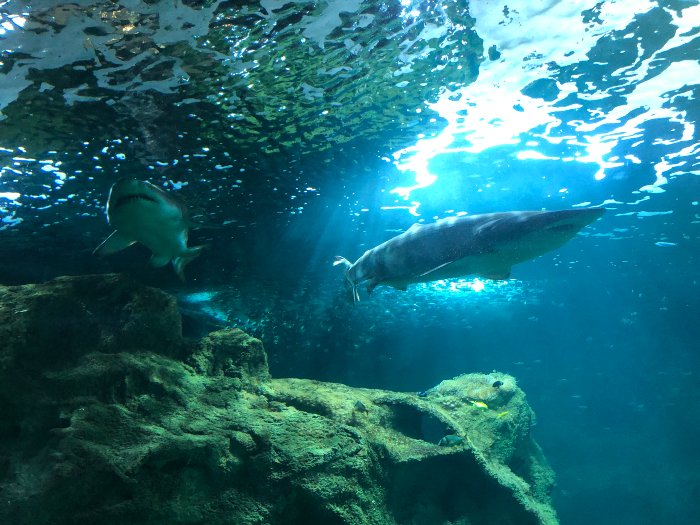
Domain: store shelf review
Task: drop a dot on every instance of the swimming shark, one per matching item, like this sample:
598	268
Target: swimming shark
486	245
141	212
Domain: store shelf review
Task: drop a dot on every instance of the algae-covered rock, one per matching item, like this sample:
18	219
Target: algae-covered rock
136	425
231	353
62	319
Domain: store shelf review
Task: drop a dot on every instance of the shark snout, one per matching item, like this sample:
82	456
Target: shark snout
129	184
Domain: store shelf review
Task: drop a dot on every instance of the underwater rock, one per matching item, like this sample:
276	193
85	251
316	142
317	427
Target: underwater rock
109	416
53	324
231	353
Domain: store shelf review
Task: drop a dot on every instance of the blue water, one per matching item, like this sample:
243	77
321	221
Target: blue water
413	111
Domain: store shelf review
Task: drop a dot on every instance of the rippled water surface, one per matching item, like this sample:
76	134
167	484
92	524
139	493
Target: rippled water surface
296	131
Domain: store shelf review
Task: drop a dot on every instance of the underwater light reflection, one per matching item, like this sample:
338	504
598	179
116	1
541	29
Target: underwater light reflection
8	217
11	22
501	106
10	195
469	292
459	286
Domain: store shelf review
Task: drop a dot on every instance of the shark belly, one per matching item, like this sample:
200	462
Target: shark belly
160	230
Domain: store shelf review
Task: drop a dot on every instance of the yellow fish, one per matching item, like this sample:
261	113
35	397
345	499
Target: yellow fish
479	404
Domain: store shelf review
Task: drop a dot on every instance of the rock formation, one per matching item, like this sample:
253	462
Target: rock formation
109	416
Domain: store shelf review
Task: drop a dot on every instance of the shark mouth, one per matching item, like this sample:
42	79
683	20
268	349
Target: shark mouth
126	199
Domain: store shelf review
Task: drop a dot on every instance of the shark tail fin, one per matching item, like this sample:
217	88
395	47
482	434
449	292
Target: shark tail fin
352	286
184	259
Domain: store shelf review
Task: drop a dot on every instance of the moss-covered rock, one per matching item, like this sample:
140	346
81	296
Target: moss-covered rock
137	425
231	353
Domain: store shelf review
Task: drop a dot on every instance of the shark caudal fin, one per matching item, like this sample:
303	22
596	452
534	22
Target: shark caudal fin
183	260
349	283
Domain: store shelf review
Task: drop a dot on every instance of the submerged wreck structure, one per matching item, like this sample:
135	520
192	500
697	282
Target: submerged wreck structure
109	415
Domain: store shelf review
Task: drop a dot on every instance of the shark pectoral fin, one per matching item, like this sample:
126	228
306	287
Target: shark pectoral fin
158	261
352	289
182	260
112	244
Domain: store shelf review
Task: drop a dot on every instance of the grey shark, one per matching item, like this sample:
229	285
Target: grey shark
141	212
486	245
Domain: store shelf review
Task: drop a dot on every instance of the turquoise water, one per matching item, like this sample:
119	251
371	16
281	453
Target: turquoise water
299	131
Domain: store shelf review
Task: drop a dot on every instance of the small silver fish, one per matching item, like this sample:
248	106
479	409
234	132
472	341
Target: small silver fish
141	212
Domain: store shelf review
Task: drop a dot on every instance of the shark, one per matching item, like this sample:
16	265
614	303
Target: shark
486	245
142	212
